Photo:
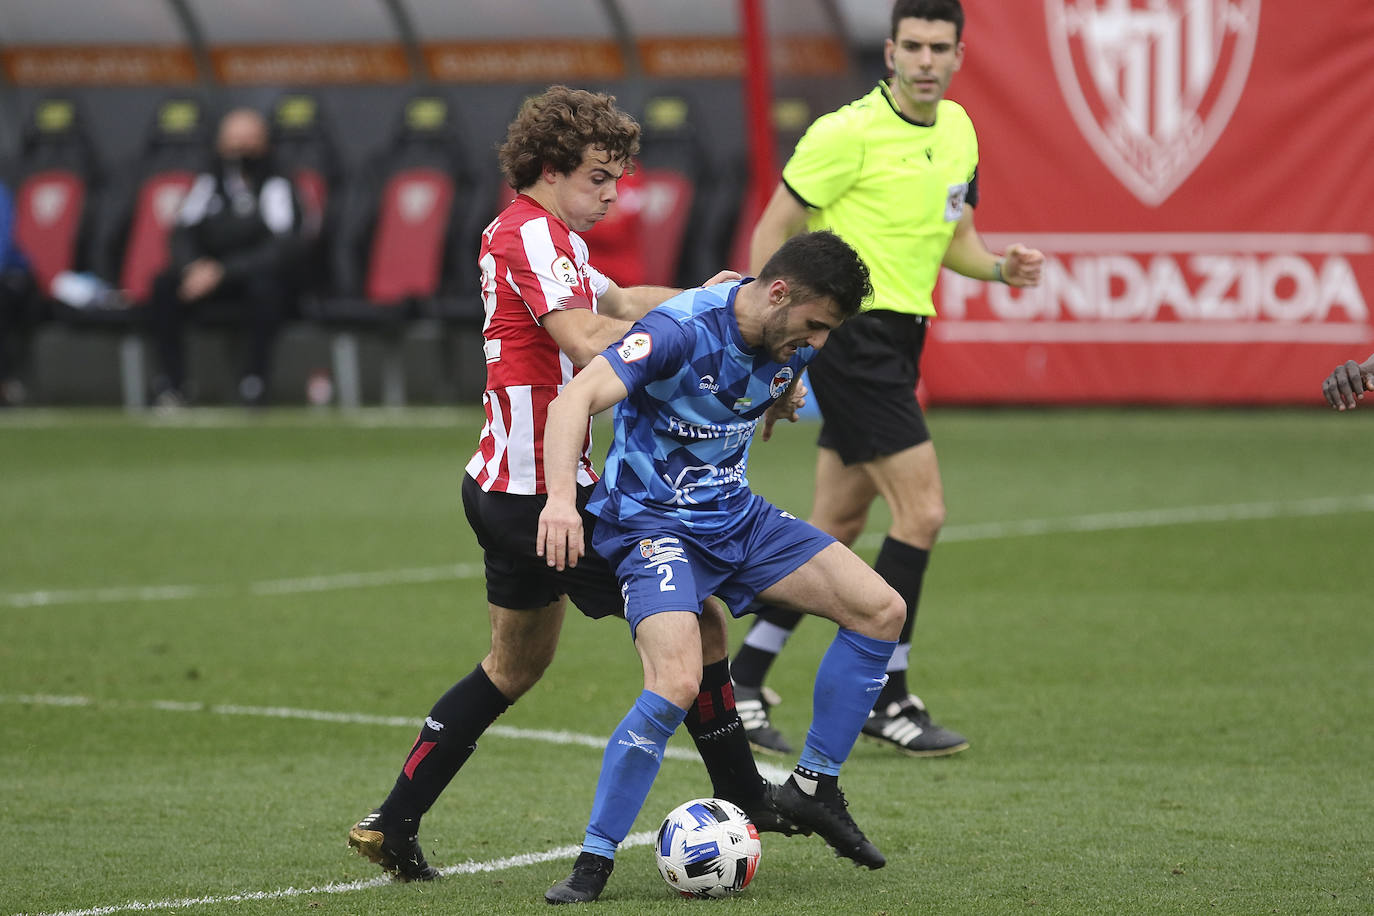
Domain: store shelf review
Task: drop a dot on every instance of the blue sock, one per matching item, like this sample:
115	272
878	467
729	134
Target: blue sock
851	674
632	758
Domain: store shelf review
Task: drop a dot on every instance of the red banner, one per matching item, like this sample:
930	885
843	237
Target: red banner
1197	174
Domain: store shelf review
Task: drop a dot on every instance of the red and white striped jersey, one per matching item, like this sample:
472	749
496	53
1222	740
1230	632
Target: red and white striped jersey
532	264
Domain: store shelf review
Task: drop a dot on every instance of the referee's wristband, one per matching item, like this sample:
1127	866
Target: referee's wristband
997	272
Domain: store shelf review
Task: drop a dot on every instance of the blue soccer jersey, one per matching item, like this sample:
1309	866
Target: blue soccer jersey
696	392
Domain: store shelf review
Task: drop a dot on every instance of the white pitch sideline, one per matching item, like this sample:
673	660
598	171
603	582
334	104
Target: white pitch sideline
984	531
467	868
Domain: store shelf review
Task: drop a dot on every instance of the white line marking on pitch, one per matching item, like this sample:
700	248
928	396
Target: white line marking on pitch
467	868
774	773
770	771
985	531
1148	518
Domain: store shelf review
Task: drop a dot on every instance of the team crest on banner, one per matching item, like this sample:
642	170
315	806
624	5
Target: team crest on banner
1152	83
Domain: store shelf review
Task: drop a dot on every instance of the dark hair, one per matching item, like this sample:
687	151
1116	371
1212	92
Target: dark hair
934	10
556	127
821	265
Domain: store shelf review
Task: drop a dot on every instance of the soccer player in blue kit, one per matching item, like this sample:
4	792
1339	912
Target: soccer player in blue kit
677	521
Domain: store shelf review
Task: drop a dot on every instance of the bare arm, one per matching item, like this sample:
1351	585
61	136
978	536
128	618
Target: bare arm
968	255
594	389
582	333
783	218
633	302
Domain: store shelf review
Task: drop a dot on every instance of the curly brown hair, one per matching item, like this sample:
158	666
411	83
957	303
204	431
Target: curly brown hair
556	127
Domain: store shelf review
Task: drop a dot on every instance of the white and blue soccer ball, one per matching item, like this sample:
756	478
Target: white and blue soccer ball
707	847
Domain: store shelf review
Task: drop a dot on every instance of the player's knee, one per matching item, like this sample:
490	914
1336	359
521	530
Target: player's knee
884	614
678	688
919	523
515	673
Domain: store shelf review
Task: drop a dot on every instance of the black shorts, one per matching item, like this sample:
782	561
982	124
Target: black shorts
506	525
864	381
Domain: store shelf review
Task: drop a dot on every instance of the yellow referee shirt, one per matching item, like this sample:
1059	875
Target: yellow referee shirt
891	188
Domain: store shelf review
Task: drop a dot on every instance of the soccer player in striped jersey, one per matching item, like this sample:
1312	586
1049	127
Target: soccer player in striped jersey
895	174
676	519
548	311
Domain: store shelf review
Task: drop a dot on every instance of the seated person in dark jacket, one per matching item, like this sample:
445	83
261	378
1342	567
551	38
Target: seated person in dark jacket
237	244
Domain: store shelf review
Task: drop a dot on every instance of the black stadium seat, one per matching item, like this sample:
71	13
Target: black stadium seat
405	245
303	147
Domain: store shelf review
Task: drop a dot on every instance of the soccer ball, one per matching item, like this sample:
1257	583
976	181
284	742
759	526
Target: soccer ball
707	847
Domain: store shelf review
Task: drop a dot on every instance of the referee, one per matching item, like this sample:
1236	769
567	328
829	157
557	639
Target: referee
894	173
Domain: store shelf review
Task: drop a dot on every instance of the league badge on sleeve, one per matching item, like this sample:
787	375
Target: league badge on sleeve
564	271
635	347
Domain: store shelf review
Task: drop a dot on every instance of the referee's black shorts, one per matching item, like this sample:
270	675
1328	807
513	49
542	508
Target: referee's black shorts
506	525
864	381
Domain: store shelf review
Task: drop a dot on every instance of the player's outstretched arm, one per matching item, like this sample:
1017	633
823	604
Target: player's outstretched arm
582	334
559	540
1344	388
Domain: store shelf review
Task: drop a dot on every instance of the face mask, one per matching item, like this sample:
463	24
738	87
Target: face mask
251	167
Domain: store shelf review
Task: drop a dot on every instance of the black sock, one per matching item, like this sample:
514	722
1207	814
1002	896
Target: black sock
812	782
903	567
718	733
446	741
751	663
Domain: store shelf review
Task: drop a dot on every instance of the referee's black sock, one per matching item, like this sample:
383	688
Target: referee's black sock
903	567
718	733
446	741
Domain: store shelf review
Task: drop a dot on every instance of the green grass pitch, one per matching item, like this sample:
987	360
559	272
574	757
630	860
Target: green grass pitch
218	636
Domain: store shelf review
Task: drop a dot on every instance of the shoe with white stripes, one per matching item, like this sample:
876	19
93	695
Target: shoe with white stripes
397	851
752	704
906	725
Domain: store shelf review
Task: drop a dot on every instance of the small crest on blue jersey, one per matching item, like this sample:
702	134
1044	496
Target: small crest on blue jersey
564	271
780	381
646	548
635	347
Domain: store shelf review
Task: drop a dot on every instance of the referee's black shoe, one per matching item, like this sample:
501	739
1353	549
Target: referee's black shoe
907	726
395	848
585	884
827	813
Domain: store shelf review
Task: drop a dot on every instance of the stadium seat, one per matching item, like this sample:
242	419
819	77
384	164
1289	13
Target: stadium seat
55	183
671	170
136	218
303	147
405	246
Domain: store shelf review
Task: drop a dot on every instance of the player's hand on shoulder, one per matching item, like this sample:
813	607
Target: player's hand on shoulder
1344	388
1021	266
725	276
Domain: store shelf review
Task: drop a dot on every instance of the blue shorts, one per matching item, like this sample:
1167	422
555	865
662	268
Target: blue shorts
671	567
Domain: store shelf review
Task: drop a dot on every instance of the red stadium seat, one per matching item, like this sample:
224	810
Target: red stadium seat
55	183
405	245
